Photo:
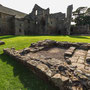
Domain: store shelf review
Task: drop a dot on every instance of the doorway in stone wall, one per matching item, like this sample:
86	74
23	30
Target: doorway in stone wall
43	24
59	32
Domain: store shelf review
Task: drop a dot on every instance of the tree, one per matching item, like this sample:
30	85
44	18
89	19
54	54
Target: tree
82	20
82	16
80	11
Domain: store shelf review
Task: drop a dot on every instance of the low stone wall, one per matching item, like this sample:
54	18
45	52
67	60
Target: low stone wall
80	30
1	42
72	73
51	43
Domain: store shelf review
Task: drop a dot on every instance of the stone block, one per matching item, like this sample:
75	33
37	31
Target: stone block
88	57
59	81
81	60
79	66
44	68
70	51
73	59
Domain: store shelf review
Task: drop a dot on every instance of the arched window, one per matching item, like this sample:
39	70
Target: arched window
36	12
0	29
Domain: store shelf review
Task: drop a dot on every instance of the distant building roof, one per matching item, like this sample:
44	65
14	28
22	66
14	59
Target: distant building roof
17	14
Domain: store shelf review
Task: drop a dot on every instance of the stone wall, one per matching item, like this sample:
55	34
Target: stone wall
69	18
42	22
6	24
56	23
80	30
38	22
19	27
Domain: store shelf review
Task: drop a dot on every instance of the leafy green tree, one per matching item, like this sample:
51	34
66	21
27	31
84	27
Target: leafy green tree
82	16
82	20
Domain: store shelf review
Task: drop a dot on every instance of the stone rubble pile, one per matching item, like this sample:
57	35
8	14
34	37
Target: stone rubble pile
66	76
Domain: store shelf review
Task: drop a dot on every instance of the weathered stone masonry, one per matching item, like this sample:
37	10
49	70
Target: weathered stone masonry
10	21
38	22
66	65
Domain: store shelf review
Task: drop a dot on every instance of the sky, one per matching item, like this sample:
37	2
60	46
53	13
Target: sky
55	6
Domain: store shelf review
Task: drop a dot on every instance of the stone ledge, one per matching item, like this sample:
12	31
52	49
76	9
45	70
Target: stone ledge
49	43
69	52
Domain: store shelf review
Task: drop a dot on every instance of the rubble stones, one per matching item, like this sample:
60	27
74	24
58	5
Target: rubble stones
1	42
58	81
72	73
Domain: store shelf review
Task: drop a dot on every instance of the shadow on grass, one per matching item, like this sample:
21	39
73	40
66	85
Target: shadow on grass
27	78
13	36
7	36
80	37
72	36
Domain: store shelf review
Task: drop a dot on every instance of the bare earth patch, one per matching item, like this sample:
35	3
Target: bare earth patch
54	52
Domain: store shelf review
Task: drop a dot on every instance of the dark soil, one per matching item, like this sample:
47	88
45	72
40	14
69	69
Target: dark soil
54	52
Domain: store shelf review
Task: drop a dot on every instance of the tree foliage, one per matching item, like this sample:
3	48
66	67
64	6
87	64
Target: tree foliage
82	16
80	11
82	20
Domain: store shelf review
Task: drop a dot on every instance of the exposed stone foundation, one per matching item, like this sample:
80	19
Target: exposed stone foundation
64	64
1	42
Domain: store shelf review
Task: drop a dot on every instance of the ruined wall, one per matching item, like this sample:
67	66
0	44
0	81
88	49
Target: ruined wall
38	22
80	30
6	24
56	23
19	27
69	18
29	27
42	22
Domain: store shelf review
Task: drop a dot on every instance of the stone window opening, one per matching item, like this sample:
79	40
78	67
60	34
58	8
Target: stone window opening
36	12
36	22
0	15
0	29
43	22
20	30
51	22
59	32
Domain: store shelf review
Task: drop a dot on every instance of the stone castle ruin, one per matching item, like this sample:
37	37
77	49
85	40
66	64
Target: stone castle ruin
38	22
42	22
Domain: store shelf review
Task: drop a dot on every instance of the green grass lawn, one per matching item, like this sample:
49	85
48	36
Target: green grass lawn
13	75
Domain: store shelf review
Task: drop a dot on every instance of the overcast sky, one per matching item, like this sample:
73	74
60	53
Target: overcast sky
54	5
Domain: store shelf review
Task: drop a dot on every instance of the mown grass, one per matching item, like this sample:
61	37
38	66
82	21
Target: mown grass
13	75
